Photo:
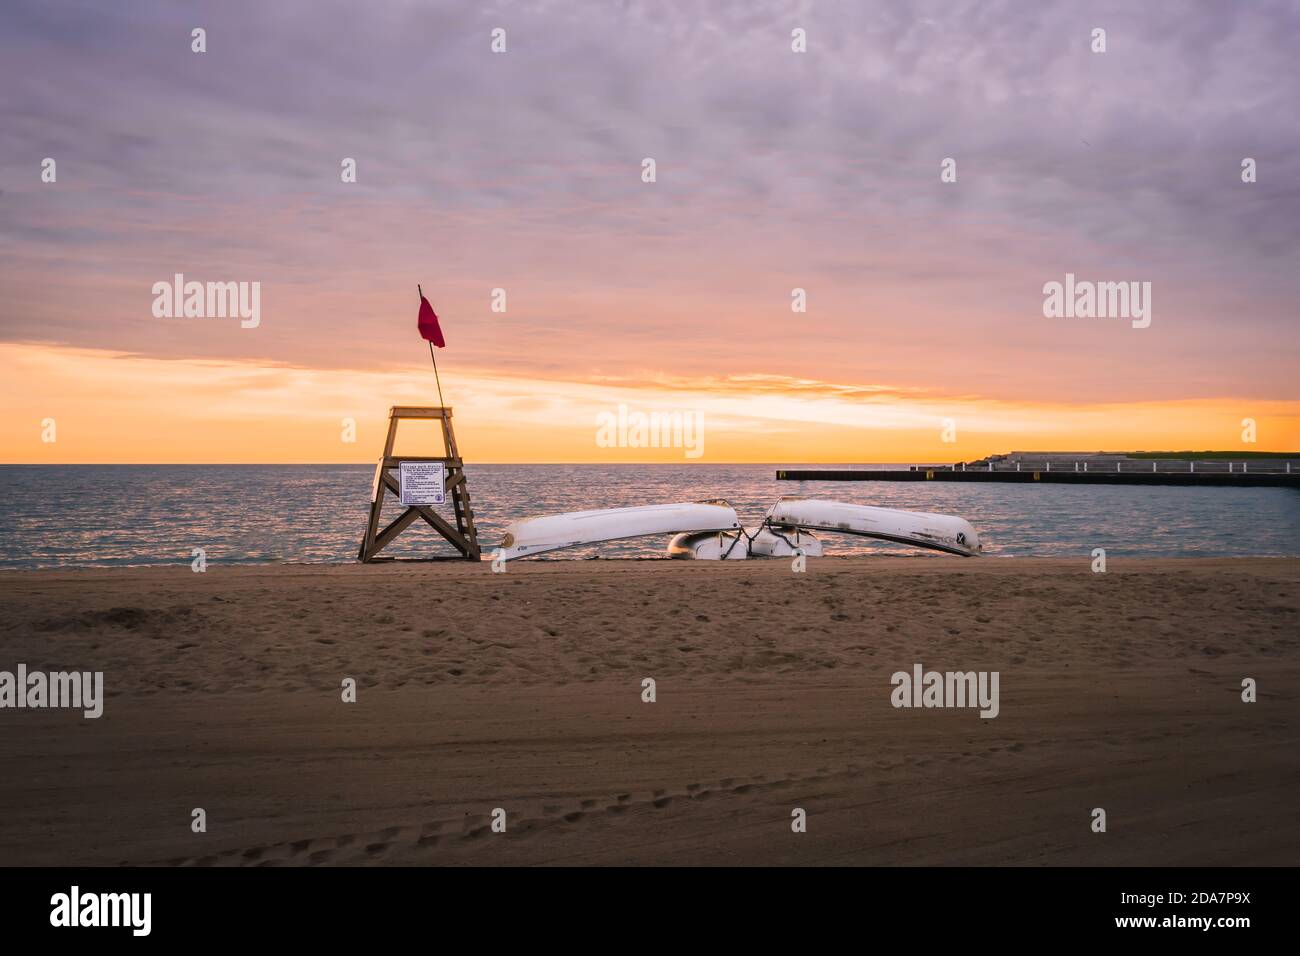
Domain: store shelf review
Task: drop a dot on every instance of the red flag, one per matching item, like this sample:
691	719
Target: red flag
428	324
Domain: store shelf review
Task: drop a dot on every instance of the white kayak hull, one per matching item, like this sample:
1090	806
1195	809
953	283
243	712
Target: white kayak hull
782	543
726	546
709	546
578	528
946	533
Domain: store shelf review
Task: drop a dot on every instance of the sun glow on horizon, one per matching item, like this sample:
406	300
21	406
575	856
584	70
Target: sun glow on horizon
115	408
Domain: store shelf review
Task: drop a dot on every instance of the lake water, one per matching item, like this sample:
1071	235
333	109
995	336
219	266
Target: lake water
104	515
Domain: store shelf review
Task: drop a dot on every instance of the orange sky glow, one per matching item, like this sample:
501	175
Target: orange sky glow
115	408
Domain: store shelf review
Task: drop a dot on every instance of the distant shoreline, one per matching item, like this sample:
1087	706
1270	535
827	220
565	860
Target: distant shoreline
370	462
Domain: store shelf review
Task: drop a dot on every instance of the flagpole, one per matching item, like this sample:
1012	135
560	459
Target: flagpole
433	357
435	376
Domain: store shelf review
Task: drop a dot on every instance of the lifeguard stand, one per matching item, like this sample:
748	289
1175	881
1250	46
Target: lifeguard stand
463	536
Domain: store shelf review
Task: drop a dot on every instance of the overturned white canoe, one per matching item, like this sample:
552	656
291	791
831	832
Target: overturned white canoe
733	546
577	528
938	532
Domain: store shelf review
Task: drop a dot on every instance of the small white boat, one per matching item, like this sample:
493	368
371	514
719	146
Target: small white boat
938	532
730	546
577	528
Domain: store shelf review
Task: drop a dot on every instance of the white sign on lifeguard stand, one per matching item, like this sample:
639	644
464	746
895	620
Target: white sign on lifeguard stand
422	482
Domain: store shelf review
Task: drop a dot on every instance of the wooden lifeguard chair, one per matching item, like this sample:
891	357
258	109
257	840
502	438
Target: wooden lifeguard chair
463	536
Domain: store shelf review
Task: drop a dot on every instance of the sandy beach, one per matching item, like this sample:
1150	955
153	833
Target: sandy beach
523	691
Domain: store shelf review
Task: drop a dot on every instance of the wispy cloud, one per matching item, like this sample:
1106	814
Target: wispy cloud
775	171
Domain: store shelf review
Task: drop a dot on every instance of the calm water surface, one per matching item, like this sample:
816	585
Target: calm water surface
100	515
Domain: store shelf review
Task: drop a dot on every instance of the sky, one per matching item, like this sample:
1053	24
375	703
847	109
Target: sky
522	171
